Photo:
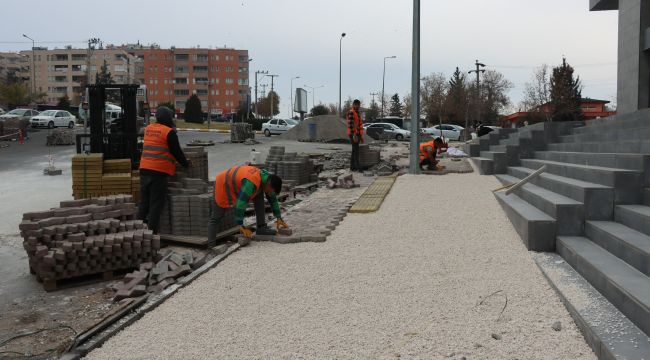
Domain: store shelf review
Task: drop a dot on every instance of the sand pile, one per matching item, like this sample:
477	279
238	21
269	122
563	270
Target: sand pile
328	128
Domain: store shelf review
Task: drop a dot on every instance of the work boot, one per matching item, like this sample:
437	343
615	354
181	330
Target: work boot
265	230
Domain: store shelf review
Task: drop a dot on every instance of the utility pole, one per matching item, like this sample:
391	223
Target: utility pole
373	94
256	73
478	72
414	163
33	65
272	93
383	82
340	66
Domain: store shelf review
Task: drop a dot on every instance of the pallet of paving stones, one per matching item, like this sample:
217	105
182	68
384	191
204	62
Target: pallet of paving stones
60	137
199	169
86	237
240	132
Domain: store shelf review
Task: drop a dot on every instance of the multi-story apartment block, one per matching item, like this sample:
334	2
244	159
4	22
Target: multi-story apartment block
13	63
62	72
219	77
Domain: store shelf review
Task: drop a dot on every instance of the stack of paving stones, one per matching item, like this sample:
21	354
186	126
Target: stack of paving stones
117	183
240	132
199	168
60	137
156	277
368	157
294	169
87	170
86	237
117	166
274	157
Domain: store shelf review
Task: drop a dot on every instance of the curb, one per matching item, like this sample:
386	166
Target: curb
150	304
206	130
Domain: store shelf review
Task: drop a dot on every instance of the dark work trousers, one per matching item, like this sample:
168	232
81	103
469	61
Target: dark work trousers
217	213
429	162
354	160
153	192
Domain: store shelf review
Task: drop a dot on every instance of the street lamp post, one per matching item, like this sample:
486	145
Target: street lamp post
414	166
33	65
313	94
383	83
291	94
340	65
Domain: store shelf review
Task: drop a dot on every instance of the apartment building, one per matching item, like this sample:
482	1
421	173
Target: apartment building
219	77
13	63
64	71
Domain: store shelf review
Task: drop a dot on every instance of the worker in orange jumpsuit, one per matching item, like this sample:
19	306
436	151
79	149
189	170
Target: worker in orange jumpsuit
428	152
355	131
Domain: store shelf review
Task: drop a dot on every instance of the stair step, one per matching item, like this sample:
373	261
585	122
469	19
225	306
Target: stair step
635	216
500	160
484	165
646	196
619	121
626	243
627	146
627	183
636	162
598	199
636	133
568	213
536	229
624	286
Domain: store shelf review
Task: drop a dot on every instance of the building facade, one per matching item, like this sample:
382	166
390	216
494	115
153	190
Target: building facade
13	63
219	77
591	109
61	72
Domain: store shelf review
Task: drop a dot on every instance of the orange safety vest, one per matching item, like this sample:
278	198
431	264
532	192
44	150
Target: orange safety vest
357	127
423	150
155	151
228	184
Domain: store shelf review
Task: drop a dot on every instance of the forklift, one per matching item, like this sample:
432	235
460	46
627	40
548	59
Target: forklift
120	138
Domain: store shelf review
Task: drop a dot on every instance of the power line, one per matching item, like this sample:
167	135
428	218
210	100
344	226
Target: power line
44	42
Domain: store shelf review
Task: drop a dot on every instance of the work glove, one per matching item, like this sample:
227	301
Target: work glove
281	224
361	139
355	139
246	231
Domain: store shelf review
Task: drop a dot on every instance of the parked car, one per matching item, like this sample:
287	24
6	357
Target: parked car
390	130
54	118
278	126
2	111
22	114
450	132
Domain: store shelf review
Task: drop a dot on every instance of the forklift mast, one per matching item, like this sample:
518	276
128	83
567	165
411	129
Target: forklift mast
120	139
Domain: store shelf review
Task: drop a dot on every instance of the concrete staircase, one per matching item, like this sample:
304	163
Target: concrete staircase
591	206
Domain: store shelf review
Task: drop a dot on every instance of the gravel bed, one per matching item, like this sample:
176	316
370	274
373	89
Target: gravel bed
411	281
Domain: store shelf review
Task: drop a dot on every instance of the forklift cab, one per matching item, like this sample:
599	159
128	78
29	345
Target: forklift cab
115	133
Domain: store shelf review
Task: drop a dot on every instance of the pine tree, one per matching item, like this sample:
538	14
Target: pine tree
566	92
64	103
373	112
193	112
457	98
104	75
395	106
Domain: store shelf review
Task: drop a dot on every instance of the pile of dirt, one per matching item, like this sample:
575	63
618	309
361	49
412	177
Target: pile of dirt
329	128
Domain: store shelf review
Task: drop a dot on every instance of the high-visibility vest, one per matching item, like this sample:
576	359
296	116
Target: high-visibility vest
426	153
229	182
155	151
357	126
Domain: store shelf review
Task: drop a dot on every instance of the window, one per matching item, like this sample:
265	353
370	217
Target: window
204	103
201	92
182	92
182	57
200	57
201	80
282	122
180	104
119	68
180	69
228	68
215	57
180	80
60	78
273	122
243	69
93	67
229	81
78	67
243	82
61	57
78	57
61	68
200	69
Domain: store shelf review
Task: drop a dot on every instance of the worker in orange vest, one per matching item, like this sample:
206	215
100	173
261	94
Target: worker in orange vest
235	188
428	152
160	153
355	131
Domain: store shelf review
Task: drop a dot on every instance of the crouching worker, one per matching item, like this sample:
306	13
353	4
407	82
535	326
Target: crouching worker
428	152
237	186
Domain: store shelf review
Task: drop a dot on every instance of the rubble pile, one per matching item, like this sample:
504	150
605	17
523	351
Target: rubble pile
87	236
239	132
342	181
60	137
154	277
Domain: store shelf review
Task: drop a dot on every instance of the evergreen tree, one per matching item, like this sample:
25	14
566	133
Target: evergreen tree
395	106
193	113
457	98
566	92
319	109
104	75
64	103
168	105
373	112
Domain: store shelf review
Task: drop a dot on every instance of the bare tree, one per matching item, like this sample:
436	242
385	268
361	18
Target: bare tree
494	95
537	93
434	95
407	102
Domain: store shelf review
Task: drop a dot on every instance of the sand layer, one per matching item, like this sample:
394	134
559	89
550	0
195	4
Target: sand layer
410	281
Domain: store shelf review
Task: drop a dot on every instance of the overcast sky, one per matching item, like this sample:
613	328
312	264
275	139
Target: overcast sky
301	37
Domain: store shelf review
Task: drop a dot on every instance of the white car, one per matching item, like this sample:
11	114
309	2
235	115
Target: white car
2	111
278	126
54	118
450	132
390	130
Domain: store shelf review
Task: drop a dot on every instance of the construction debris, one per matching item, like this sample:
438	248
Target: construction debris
156	277
61	137
84	237
197	142
239	132
342	181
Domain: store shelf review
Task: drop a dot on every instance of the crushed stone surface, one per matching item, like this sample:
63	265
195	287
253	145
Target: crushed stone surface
426	277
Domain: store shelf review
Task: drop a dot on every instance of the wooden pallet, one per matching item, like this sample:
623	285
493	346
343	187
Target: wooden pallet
200	241
89	279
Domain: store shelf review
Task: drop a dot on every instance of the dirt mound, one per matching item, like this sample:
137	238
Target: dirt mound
328	128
